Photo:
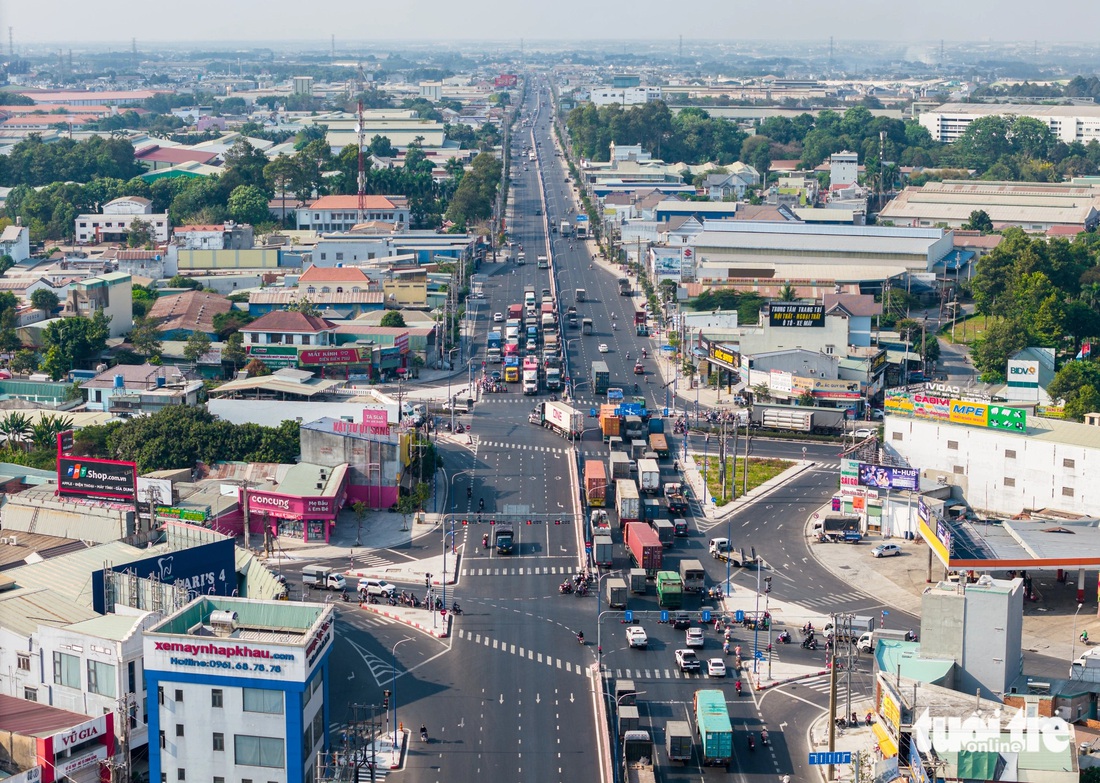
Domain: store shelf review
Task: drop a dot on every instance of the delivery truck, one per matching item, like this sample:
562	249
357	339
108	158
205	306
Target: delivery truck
860	625
323	578
678	741
644	546
595	483
618	464
627	502
649	477
639	760
869	639
693	576
638	581
560	418
670	590
602	551
658	443
616	592
712	722
601	377
665	532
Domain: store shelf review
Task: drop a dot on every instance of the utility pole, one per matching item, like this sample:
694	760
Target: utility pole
831	771
11	41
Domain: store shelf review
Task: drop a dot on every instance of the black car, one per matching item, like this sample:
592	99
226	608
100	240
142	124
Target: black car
681	620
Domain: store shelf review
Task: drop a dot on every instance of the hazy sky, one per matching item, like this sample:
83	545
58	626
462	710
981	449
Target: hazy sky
103	21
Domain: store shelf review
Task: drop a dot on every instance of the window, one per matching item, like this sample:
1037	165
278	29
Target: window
958	470
326	289
953	445
258	751
322	256
30	694
258	700
311	289
319	724
160	695
179	729
179	695
181	773
1068	463
339	256
1010	453
219	741
896	436
1010	482
339	289
216	699
131	677
101	678
163	741
219	779
1067	492
66	670
23	662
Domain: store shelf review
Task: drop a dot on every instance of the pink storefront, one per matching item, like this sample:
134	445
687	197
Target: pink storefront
306	510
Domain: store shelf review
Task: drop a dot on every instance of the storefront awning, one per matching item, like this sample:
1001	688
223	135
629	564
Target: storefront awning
885	742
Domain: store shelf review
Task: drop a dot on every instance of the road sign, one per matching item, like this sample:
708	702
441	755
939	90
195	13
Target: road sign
664	615
739	616
758	655
706	615
836	757
592	413
664	411
628	616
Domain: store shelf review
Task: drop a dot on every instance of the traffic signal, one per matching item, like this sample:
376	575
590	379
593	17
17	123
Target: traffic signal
767	584
386	699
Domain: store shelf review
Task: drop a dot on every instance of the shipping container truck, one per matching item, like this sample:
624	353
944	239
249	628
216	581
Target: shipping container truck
530	375
595	482
712	722
627	502
515	313
665	532
649	477
616	592
618	465
609	423
638	581
603	551
670	590
586	326
639	759
658	443
558	417
580	295
645	548
693	576
678	741
601	377
652	510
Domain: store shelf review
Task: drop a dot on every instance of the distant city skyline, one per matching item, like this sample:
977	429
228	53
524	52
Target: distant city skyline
214	22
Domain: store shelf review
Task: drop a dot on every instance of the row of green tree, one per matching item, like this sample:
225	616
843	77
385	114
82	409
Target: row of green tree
180	436
34	162
1077	87
1038	292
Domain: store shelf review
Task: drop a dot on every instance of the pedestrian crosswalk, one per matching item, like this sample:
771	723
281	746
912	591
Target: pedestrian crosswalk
833	599
504	444
533	571
373	560
508	648
821	685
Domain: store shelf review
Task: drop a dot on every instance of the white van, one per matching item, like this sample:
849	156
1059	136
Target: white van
322	577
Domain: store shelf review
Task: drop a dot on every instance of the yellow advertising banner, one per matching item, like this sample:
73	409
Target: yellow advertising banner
966	412
891	712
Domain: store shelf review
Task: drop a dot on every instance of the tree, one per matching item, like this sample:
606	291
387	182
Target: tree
392	319
381	146
145	337
1001	339
45	300
234	351
256	368
787	293
1077	384
53	363
226	324
197	346
282	174
305	306
77	340
24	361
45	431
140	233
16	428
248	204
979	221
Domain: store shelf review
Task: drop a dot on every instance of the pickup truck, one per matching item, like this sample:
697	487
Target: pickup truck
677	500
687	660
722	549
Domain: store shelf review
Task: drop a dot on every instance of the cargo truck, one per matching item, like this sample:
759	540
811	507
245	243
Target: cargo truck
586	326
712	722
503	538
609	422
644	546
624	286
558	417
580	295
638	581
618	464
634	427
492	352
627	502
600	522
530	375
616	592
693	576
868	639
678	741
528	296
511	369
658	443
566	228
542	262
601	377
665	532
602	551
638	449
595	483
515	313
322	577
638	758
670	590
861	624
674	496
649	477
553	378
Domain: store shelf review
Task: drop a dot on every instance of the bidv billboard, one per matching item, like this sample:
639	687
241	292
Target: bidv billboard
208	569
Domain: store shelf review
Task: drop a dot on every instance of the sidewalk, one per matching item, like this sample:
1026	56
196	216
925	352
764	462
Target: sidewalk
857	740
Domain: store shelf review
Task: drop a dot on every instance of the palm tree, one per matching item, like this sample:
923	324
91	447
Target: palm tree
45	431
15	427
787	293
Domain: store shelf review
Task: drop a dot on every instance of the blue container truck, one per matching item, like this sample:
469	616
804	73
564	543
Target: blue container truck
712	722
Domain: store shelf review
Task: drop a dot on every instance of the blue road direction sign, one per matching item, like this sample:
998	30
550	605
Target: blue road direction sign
628	616
664	615
592	413
706	615
836	757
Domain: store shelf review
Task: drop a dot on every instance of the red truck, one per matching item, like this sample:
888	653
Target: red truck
639	317
645	547
595	483
515	312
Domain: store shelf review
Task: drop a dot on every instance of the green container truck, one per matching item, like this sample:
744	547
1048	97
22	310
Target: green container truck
670	590
712	722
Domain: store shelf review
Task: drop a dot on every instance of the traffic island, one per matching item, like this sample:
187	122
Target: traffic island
432	622
854	747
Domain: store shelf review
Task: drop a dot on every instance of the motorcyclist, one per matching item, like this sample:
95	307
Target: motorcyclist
636	388
423	732
628	356
580	636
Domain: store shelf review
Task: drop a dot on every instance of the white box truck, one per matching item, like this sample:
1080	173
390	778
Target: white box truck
649	476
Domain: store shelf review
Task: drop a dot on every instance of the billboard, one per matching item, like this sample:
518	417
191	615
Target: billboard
887	477
313	356
290	506
156	491
720	354
208	568
1023	374
969	412
101	478
786	314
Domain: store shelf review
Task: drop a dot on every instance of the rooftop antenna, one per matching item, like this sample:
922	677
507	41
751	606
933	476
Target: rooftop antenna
941	51
333	40
133	50
362	180
681	48
11	41
830	52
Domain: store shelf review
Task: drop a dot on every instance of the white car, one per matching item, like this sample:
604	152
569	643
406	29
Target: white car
886	550
636	637
693	637
376	587
863	434
498	318
716	667
687	661
602	348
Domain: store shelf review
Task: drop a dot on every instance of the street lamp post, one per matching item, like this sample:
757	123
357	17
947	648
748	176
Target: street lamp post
393	687
451	401
1073	644
599	637
451	493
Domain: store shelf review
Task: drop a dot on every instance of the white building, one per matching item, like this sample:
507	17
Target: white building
342	213
1053	465
302	85
628	96
113	293
116	219
16	242
266	722
1068	123
843	170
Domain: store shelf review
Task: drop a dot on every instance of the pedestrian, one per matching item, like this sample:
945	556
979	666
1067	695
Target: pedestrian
868	719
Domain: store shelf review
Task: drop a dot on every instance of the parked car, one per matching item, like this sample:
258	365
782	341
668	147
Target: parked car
693	637
886	550
636	637
687	660
716	667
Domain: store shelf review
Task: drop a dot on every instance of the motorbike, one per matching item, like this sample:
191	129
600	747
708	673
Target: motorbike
455	608
784	638
636	388
423	734
738	686
580	639
459	429
764	737
809	644
752	743
485	541
565	587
